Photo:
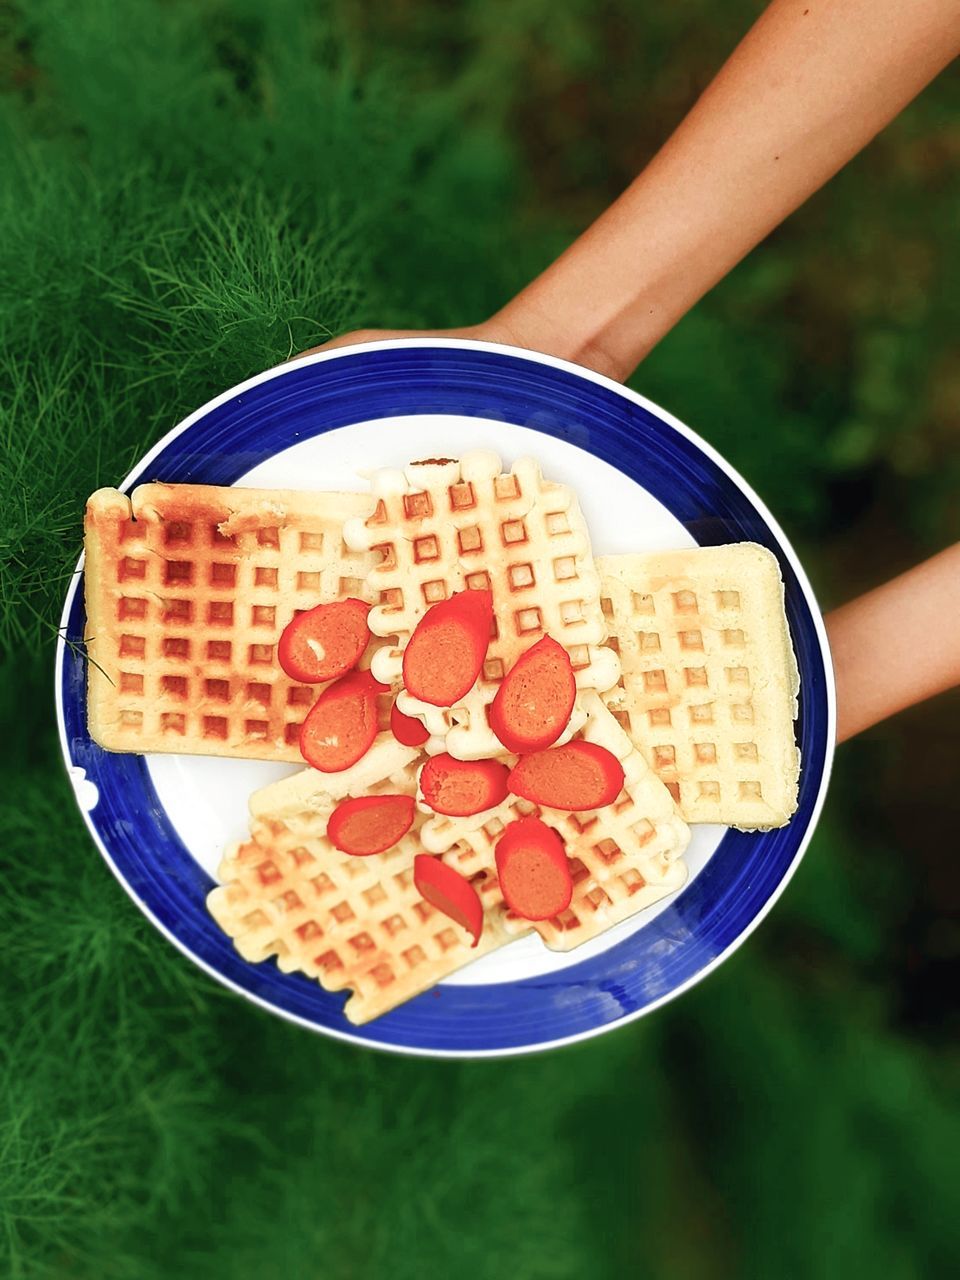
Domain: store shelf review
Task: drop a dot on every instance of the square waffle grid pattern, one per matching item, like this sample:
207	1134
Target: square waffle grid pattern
709	681
441	527
623	857
188	588
349	922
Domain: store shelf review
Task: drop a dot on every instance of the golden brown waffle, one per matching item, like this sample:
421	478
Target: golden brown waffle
188	588
709	681
349	922
443	526
623	857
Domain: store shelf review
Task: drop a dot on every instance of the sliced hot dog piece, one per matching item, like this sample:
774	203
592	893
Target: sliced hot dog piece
341	725
449	892
533	870
407	729
534	702
445	654
462	787
325	642
370	824
578	776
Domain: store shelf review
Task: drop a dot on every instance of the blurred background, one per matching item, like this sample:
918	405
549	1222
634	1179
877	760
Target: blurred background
192	191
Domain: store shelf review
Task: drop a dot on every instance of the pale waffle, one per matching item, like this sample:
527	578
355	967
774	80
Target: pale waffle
709	681
443	526
349	922
623	857
188	588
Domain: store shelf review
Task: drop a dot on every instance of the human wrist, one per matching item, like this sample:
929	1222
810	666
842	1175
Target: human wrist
559	331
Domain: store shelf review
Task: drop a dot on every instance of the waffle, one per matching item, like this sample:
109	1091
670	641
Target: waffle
442	526
188	588
709	682
623	857
349	922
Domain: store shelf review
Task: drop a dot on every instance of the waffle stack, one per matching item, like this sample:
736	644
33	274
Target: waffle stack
351	923
682	658
708	684
446	526
188	588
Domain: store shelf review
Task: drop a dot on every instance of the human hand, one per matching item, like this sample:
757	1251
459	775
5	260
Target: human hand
476	331
515	326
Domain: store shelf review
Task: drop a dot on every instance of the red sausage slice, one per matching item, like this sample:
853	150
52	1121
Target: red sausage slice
578	776
370	824
449	892
533	870
407	729
445	654
534	702
341	725
462	787
324	642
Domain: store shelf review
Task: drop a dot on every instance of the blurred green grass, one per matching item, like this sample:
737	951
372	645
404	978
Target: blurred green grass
191	192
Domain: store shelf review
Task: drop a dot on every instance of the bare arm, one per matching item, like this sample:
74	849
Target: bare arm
897	645
806	89
809	85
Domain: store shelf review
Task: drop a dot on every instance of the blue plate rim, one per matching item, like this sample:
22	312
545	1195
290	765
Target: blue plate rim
819	630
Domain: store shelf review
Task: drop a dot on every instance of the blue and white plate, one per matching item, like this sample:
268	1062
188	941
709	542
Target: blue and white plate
644	481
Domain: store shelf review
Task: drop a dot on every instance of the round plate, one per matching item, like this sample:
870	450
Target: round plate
644	481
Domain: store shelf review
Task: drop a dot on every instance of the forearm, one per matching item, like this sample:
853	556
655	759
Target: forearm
897	645
807	88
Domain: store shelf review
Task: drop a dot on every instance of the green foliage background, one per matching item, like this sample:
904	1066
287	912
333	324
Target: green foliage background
191	190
